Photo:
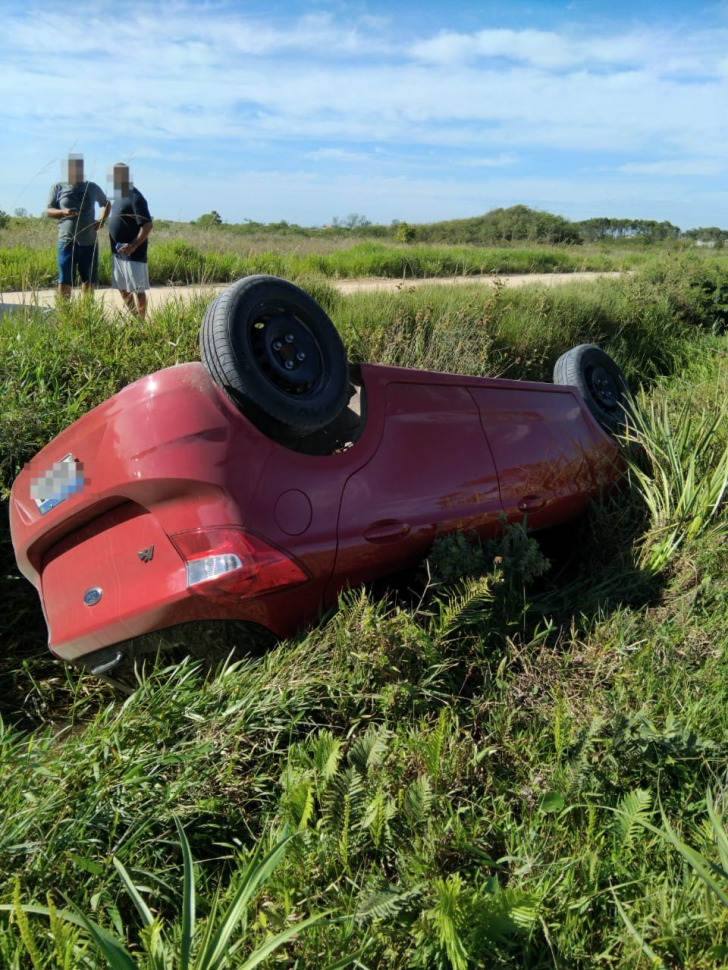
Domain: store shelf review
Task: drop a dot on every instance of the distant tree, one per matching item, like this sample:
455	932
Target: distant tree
209	219
708	236
549	228
352	221
642	230
355	221
21	213
4	220
404	233
595	229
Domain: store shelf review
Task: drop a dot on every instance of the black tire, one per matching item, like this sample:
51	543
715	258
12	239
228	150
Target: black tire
276	354
601	383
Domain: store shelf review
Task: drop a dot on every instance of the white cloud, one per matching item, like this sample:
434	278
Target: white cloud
683	166
181	31
166	92
544	49
498	161
337	155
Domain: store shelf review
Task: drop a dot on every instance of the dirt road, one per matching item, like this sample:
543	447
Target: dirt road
158	295
522	279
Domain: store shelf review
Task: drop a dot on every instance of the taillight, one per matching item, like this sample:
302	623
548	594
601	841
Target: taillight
232	562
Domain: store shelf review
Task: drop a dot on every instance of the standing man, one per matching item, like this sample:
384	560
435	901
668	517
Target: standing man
129	229
72	202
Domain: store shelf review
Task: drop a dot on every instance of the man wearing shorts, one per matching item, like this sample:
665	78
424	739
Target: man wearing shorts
72	202
129	228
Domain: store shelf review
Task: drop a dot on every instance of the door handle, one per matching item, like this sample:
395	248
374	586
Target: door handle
531	502
386	531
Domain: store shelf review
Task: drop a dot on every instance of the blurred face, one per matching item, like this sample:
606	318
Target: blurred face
119	178
72	169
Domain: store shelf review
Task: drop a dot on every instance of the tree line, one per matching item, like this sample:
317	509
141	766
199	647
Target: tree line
517	223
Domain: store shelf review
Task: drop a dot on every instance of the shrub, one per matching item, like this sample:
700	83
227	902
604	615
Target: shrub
404	233
209	219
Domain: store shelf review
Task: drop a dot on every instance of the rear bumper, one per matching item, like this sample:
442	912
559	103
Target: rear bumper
115	578
168	453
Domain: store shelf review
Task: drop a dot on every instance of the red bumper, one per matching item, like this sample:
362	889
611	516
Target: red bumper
166	454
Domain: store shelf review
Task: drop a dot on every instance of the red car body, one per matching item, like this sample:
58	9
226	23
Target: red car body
187	512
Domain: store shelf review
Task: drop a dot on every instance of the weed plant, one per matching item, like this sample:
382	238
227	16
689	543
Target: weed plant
484	767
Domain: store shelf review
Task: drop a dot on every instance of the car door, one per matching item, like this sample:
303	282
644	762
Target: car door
432	473
549	454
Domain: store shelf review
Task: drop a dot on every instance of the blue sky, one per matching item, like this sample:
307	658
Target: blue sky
413	111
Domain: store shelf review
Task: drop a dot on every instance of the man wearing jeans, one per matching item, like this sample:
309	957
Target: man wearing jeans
72	202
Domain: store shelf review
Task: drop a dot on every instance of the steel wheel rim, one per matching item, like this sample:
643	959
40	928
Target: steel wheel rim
286	352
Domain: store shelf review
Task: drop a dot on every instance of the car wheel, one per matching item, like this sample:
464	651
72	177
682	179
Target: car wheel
276	354
601	383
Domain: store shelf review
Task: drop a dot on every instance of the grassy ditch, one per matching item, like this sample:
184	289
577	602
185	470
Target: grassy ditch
504	767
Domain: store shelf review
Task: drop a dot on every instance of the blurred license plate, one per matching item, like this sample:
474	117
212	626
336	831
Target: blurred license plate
64	478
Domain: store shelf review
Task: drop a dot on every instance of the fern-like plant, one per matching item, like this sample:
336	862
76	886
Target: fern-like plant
632	811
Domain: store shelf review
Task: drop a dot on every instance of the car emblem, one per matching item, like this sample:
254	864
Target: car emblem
146	554
92	596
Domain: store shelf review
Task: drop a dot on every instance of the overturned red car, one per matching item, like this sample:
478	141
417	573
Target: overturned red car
257	484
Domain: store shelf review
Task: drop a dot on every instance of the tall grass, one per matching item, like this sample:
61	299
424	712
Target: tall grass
517	333
211	943
683	477
179	261
450	772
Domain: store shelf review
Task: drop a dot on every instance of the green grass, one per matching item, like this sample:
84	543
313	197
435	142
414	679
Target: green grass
180	262
184	254
191	944
176	259
499	767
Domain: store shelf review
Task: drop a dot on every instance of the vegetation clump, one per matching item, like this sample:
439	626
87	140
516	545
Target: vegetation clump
209	219
518	223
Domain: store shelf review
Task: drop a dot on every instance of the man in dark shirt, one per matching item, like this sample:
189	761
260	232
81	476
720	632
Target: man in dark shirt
72	202
129	228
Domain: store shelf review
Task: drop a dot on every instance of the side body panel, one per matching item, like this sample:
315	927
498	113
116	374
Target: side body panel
551	455
297	507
